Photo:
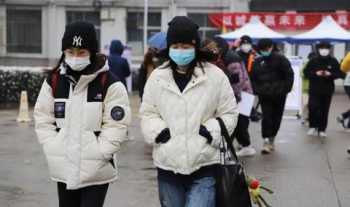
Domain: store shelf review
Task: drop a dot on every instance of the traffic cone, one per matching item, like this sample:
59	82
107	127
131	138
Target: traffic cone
23	115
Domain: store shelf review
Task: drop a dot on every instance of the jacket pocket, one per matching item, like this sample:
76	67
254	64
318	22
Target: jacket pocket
91	149
170	153
56	156
54	146
203	153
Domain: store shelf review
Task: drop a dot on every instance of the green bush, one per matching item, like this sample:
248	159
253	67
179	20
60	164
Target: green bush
13	82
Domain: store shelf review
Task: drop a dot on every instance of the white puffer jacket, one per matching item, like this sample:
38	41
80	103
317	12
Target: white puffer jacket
75	155
208	95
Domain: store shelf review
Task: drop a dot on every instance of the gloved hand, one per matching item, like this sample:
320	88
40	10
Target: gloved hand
203	131
163	136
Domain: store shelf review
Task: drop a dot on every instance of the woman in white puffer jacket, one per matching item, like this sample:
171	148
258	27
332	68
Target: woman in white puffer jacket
181	102
81	119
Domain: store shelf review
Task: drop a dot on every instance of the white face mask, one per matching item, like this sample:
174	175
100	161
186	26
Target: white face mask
78	63
323	52
246	47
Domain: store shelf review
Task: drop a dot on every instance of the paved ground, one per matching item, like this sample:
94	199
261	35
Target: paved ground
304	171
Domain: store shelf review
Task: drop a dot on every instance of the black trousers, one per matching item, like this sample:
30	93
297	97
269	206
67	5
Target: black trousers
318	110
92	196
241	132
272	108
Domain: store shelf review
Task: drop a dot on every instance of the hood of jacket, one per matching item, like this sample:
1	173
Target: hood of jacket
116	47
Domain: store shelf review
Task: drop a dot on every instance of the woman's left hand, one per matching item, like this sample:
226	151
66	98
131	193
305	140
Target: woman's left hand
203	131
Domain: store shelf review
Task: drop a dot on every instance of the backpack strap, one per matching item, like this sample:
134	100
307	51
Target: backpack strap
54	82
103	81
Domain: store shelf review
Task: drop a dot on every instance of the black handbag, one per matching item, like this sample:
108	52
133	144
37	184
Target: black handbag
231	186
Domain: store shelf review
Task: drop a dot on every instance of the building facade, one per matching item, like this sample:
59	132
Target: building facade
31	30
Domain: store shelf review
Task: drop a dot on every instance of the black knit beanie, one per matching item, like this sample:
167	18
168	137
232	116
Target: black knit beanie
183	30
245	39
80	35
265	43
323	44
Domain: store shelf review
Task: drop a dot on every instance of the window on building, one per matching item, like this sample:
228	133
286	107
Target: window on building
88	16
23	31
135	29
206	30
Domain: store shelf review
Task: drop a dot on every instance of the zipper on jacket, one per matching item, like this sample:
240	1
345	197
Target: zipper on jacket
186	117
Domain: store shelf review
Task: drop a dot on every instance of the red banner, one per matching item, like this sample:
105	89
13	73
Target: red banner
278	21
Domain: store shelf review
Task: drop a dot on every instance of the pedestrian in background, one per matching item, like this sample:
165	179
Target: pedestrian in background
344	118
321	71
247	52
272	79
345	67
233	66
151	61
118	65
81	119
180	105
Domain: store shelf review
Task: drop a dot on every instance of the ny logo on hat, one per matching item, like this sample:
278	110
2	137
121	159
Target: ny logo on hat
77	41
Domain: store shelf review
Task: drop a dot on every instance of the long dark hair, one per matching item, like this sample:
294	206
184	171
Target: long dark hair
148	58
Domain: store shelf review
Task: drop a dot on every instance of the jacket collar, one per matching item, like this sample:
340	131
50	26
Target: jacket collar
167	80
85	79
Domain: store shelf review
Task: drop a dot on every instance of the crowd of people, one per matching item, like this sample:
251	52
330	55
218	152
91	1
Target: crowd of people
82	113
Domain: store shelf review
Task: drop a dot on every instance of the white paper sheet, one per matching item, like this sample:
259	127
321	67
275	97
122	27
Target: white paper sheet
246	105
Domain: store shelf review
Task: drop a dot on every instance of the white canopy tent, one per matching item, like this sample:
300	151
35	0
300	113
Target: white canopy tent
326	30
256	30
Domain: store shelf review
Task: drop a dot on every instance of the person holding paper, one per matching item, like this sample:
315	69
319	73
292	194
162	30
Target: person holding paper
240	83
233	66
272	79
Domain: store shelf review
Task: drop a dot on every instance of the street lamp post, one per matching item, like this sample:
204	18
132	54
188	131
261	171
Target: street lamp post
173	8
145	27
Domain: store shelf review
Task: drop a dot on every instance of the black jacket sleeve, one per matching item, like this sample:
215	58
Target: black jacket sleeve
126	68
288	74
335	71
253	77
310	70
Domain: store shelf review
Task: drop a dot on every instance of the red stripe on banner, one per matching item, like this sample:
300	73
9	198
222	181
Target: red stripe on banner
278	20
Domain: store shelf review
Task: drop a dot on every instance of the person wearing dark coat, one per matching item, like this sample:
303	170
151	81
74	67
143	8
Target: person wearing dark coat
118	65
272	79
321	71
233	66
